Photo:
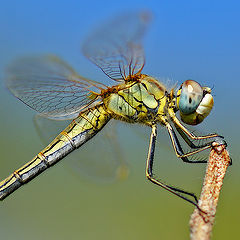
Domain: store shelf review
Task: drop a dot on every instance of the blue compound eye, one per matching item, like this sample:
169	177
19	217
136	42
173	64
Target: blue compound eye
191	96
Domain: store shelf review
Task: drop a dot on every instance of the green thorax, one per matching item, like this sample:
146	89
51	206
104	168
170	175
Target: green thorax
139	101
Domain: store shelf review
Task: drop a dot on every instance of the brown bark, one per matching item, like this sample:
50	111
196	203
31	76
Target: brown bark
201	223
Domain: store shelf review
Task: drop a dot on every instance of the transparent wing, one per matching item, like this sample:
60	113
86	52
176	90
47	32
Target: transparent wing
116	46
50	86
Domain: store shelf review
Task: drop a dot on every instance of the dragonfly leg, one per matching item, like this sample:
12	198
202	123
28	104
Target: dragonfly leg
150	176
178	125
190	142
179	151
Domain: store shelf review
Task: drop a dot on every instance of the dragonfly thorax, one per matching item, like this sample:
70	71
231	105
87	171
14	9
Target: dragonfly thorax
137	101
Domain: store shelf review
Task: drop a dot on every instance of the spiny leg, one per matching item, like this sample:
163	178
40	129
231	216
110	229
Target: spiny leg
178	149
150	176
191	144
178	124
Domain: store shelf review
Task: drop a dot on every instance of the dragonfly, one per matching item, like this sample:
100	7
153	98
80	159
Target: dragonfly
55	90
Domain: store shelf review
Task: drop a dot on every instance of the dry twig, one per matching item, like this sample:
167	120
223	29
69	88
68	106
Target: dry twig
201	223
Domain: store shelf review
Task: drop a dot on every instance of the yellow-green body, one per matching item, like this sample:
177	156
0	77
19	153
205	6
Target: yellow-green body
137	101
142	101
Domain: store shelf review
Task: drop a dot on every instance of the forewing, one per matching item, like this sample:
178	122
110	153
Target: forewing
50	86
116	47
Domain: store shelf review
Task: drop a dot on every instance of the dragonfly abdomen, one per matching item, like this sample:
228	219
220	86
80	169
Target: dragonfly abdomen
78	132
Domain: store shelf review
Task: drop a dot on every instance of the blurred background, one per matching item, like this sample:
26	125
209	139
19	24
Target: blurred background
186	40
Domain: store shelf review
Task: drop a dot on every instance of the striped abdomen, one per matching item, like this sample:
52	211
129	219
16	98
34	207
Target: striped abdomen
79	131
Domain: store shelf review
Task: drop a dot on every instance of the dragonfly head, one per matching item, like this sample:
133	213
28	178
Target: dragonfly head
194	102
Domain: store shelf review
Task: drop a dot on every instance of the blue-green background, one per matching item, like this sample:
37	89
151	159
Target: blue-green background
187	39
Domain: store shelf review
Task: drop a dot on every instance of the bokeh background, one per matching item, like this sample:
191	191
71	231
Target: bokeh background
187	39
